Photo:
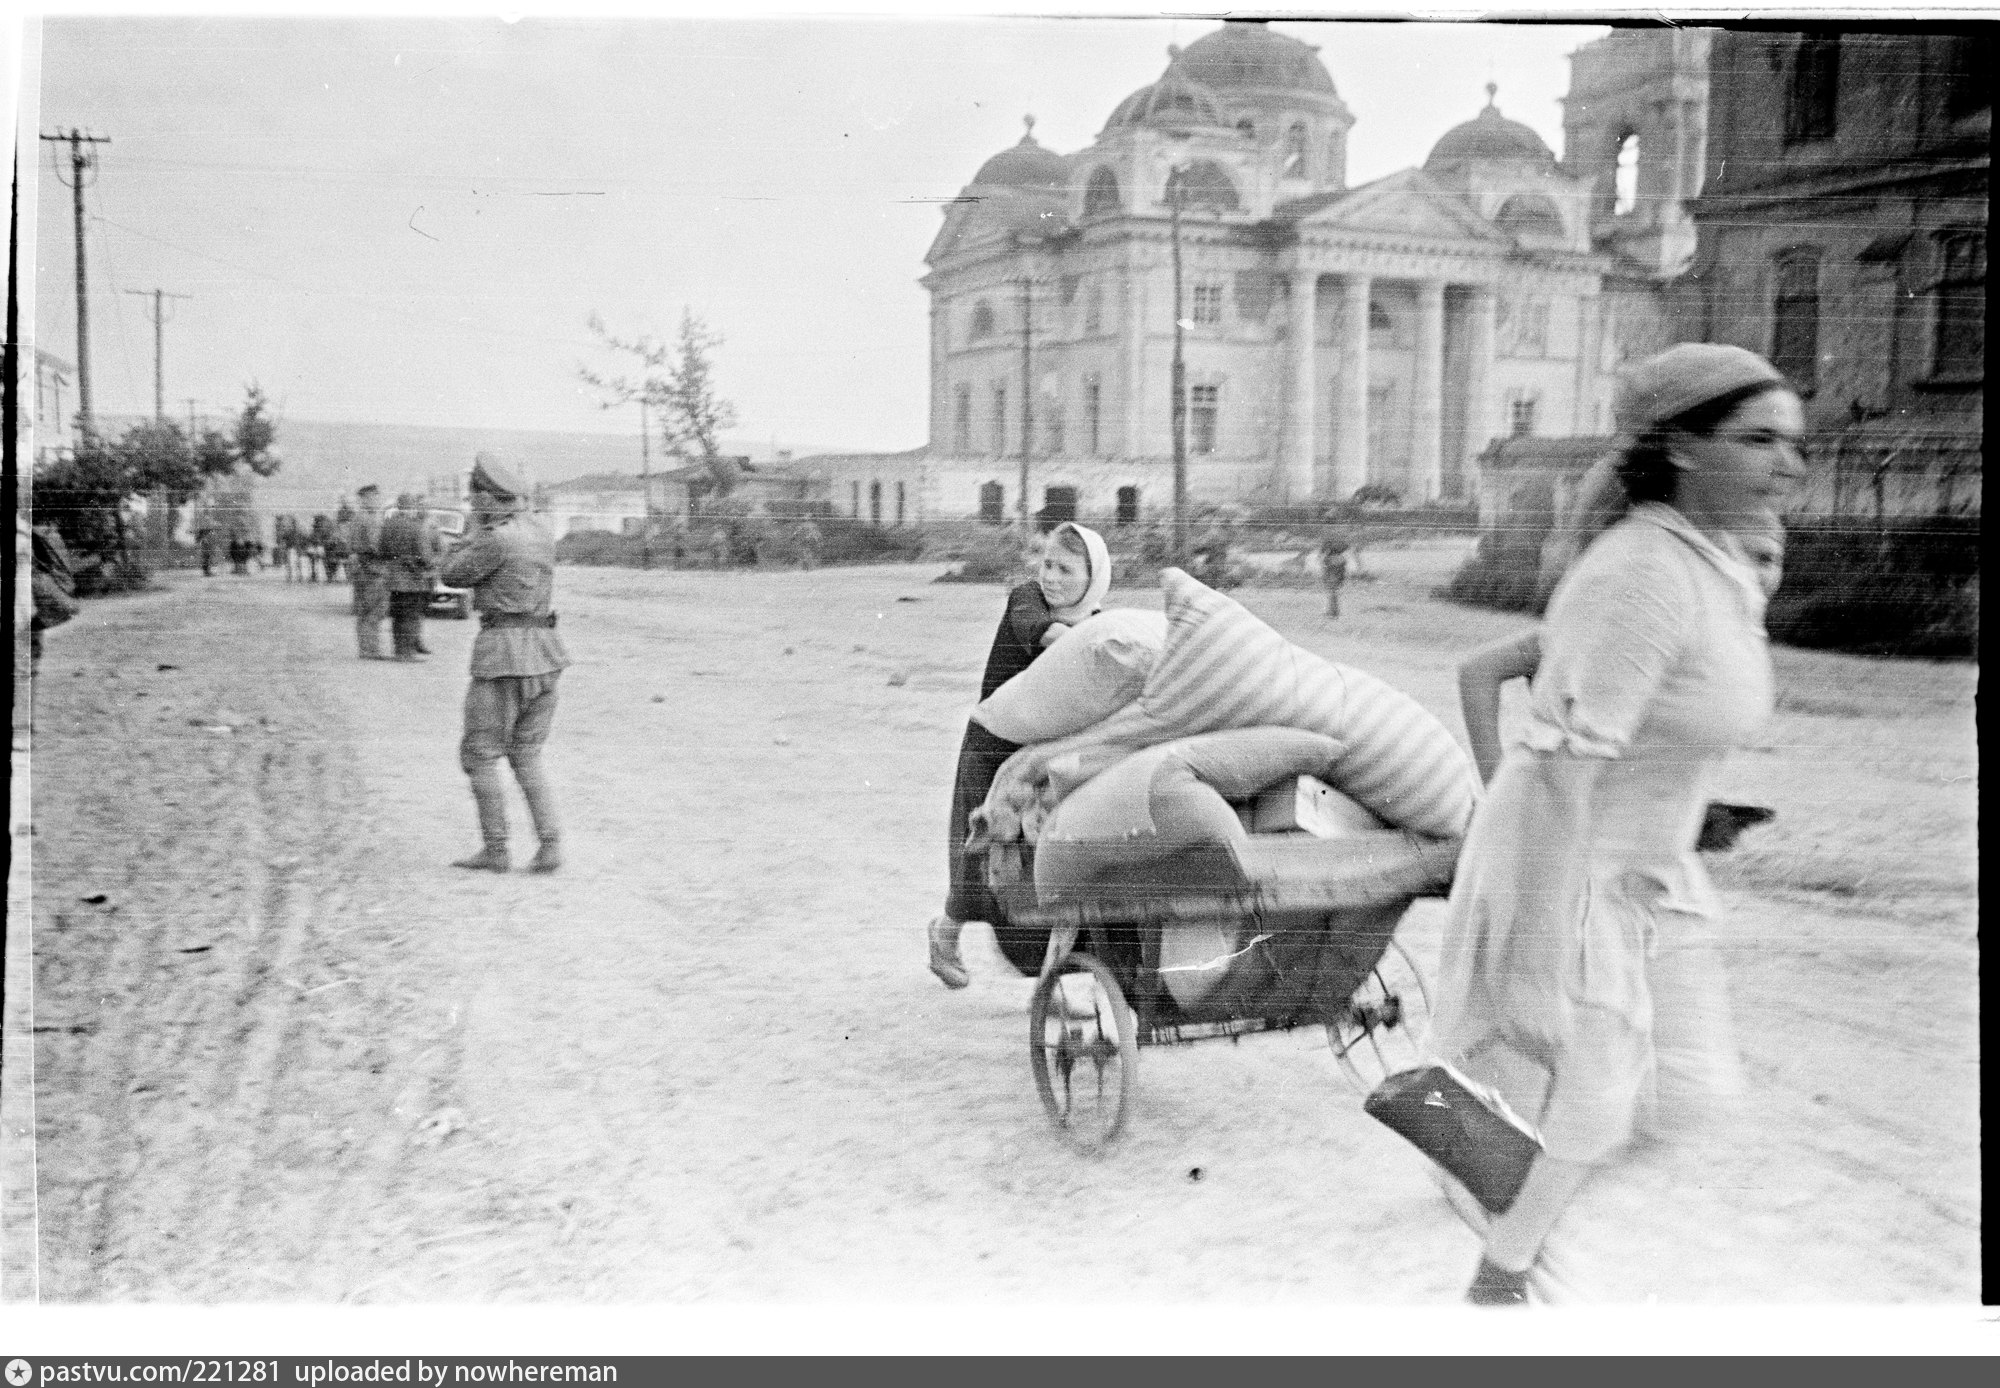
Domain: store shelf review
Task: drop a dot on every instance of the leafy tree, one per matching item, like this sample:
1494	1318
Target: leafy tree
255	433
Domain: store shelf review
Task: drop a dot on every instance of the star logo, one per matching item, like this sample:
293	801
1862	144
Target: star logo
19	1371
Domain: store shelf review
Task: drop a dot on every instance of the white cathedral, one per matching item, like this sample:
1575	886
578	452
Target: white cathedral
1334	338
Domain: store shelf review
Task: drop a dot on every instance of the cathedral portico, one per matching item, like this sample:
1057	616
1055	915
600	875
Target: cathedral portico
1333	337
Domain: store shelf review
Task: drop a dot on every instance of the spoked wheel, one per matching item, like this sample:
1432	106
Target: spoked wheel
1083	1045
1386	1022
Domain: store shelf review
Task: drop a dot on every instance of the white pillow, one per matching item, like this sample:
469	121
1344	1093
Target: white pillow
1093	670
1223	668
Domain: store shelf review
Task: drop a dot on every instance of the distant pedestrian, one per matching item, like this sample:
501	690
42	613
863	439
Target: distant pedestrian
371	591
208	540
1333	568
409	557
336	543
509	564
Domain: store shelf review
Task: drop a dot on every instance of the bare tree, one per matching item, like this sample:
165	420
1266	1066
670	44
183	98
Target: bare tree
676	383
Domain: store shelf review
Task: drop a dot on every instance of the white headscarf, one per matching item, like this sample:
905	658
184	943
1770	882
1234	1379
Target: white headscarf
1098	560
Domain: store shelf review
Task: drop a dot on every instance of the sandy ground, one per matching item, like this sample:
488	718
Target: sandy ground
284	1054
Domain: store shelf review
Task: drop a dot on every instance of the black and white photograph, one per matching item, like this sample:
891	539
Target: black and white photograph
1105	683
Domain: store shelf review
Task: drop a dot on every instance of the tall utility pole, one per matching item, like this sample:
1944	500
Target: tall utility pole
80	162
1027	395
159	347
1175	189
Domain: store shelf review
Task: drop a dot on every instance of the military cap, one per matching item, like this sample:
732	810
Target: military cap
490	477
370	490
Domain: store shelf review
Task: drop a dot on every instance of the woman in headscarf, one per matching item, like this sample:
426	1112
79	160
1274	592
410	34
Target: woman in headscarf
1070	585
1654	666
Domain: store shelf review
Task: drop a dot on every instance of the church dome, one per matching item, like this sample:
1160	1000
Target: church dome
1174	100
1490	136
1246	54
1026	165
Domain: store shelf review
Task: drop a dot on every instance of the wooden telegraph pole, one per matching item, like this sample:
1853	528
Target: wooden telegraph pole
80	162
159	297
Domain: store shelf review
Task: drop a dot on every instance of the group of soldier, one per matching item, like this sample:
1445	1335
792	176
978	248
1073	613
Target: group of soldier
394	560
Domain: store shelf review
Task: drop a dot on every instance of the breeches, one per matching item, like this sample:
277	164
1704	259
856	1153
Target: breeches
507	717
371	599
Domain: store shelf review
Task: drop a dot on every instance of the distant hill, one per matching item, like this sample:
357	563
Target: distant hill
324	461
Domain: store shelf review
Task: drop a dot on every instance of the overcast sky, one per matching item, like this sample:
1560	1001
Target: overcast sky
411	221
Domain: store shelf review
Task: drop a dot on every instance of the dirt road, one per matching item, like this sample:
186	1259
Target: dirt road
284	1053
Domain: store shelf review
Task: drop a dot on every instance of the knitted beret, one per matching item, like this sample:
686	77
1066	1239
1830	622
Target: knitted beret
1668	385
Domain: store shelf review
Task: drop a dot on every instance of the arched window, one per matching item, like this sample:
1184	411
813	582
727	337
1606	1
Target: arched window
961	422
1204	183
874	503
899	503
992	503
1625	179
1058	505
1100	195
1128	505
1295	153
1795	319
982	320
1811	95
1530	214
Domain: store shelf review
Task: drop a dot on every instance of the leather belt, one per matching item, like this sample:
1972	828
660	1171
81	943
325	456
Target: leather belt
517	619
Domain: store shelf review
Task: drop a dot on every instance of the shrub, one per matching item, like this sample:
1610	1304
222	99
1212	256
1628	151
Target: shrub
994	557
599	547
1907	589
847	540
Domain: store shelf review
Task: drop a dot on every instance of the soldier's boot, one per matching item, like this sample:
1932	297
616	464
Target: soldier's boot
491	798
541	805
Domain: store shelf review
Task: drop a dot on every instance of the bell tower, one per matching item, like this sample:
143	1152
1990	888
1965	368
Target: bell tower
1635	123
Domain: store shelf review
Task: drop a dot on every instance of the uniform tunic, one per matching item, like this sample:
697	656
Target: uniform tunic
510	568
1655	663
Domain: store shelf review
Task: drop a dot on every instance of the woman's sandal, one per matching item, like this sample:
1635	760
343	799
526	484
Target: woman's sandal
1494	1285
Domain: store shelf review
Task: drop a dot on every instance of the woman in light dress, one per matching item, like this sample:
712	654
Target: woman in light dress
1580	861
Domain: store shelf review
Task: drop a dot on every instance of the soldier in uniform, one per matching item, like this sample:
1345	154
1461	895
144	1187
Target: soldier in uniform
371	589
408	554
509	564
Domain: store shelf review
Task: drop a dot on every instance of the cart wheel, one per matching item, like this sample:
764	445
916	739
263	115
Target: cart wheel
1386	1022
1083	1045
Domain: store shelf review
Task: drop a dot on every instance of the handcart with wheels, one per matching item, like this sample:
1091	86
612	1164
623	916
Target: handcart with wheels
1268	933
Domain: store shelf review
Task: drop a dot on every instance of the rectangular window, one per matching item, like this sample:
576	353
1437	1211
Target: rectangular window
999	419
1052	426
1795	320
1207	308
1959	346
1093	400
962	419
1093	310
1810	97
1202	410
1521	415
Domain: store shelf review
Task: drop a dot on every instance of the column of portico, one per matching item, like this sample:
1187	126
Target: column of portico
1427	414
1303	296
1480	309
1350	423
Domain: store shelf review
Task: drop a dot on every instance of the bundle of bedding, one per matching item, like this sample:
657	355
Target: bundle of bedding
1123	682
